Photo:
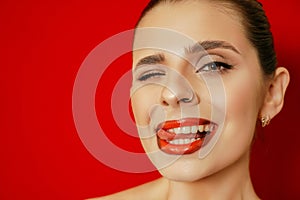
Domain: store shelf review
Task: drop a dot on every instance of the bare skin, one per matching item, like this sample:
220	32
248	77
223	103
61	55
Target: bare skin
224	173
222	185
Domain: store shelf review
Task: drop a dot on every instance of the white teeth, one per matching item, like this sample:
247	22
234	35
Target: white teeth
194	129
200	128
174	142
183	141
177	130
211	128
186	129
206	128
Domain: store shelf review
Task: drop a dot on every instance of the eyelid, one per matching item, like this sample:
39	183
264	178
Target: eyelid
209	57
151	74
148	69
218	64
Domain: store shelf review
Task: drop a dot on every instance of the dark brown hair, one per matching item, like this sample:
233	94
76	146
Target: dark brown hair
255	22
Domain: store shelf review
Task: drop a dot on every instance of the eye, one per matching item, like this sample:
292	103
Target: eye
150	75
214	67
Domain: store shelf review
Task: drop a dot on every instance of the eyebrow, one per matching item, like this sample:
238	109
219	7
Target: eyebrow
208	45
152	59
198	47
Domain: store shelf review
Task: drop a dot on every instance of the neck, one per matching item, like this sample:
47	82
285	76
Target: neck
232	183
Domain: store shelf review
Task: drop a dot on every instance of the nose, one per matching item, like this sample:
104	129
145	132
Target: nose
178	92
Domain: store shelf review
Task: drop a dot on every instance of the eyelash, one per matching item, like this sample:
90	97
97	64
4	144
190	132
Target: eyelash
221	67
149	75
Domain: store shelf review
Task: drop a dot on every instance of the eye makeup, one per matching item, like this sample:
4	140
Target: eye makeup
214	67
144	73
212	63
151	74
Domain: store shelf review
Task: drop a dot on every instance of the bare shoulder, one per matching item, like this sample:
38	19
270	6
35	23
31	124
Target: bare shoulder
149	191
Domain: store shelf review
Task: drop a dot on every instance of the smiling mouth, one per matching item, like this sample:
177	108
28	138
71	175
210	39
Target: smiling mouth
184	136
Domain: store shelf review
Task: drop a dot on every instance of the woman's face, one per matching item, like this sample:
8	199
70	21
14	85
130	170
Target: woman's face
190	99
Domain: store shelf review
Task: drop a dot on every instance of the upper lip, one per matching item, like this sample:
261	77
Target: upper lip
183	122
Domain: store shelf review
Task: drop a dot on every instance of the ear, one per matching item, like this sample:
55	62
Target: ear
274	98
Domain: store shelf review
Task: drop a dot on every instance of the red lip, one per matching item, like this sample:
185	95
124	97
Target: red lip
166	139
182	122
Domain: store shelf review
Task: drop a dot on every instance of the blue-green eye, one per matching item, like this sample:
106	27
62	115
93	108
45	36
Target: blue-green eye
150	75
213	67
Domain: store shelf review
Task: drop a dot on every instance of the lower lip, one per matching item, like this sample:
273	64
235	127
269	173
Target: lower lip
180	149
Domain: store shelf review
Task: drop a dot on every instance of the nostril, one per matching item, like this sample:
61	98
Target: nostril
168	97
165	103
187	100
173	98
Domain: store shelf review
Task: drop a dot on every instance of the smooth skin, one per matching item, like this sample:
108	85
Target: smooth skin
224	173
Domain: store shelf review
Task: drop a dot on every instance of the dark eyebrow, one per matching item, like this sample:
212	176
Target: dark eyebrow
207	45
151	60
198	47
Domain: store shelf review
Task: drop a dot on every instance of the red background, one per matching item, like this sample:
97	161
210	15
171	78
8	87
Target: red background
42	46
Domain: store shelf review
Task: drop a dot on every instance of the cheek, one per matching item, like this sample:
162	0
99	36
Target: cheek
142	100
243	100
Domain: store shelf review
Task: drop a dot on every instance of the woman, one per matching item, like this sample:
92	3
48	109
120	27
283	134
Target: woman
198	106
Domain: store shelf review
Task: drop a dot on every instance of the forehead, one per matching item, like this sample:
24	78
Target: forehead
191	9
198	20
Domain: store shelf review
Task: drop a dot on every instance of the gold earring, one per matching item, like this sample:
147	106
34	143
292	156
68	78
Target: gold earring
265	120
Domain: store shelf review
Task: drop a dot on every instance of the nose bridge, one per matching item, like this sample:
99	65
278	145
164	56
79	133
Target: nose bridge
177	89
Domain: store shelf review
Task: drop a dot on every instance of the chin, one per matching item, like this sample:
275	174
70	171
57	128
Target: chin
187	170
